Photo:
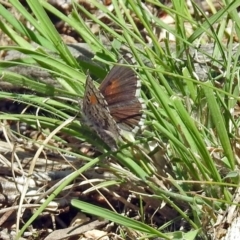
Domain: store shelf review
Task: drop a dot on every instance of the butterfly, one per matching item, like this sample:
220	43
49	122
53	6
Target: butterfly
115	106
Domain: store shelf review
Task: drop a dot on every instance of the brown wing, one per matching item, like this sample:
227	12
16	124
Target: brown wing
121	90
97	115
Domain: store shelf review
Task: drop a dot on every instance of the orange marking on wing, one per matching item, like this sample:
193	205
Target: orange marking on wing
111	87
93	99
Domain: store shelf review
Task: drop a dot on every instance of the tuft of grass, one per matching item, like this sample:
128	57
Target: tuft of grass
190	127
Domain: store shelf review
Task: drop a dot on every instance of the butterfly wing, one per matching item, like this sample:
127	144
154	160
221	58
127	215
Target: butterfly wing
121	90
97	115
